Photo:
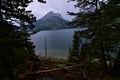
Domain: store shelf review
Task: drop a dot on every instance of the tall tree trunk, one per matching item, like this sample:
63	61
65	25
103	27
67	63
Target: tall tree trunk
0	13
97	4
104	66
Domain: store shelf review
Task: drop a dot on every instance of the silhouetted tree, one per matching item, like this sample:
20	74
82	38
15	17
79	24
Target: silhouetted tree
15	46
102	17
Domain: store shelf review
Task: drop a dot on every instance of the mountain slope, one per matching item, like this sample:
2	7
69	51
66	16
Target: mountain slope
51	21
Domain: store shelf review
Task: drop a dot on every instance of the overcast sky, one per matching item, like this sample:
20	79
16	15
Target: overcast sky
60	6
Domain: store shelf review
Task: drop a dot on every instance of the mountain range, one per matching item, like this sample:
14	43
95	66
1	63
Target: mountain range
51	21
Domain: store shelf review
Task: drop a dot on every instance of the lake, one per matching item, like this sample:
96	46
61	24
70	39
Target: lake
57	42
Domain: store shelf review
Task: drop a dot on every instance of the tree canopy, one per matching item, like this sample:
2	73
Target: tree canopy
103	21
15	46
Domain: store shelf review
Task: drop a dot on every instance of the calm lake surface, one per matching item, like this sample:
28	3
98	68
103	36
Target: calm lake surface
57	42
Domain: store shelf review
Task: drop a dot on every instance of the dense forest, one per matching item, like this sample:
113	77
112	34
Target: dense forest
100	43
15	47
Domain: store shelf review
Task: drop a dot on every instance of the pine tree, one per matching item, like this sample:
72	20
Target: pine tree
74	52
15	46
104	25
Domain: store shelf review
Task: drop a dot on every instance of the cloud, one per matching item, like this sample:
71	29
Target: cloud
61	6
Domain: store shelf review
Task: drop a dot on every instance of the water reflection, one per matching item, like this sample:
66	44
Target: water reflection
58	42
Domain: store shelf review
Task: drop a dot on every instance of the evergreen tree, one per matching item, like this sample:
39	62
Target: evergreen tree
74	52
104	25
15	46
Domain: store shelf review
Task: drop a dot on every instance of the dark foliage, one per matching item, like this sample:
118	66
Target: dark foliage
74	52
15	46
103	20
